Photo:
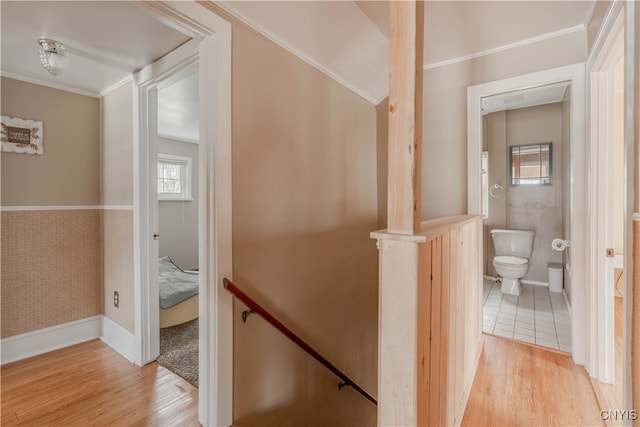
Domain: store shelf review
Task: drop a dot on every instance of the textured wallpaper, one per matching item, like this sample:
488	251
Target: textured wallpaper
50	262
117	232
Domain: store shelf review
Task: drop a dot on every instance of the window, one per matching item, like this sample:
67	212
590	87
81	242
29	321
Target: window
174	177
530	164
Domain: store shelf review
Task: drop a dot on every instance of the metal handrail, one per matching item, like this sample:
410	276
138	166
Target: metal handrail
258	309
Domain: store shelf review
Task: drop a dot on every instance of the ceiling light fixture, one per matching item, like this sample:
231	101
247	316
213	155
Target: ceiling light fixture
53	56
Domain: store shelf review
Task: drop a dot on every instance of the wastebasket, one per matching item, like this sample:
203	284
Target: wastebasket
555	277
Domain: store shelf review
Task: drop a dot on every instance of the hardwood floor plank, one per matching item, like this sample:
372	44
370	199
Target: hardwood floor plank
91	384
610	395
517	384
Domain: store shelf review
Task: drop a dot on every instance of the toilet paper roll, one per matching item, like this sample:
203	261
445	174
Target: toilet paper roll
559	245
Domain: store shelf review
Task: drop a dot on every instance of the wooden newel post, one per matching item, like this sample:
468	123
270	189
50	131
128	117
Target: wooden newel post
430	323
405	115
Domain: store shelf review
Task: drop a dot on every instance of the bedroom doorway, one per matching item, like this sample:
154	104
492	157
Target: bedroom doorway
166	181
210	48
177	144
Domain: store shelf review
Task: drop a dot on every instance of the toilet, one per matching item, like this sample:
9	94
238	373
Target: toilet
513	251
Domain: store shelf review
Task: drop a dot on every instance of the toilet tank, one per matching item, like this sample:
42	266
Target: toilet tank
513	242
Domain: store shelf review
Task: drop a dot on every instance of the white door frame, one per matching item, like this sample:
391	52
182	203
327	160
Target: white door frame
580	296
147	82
608	50
213	35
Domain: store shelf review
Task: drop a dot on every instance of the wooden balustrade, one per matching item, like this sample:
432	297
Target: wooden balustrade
431	321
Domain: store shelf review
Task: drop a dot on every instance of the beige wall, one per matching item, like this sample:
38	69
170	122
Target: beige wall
116	109
525	207
116	115
304	202
62	276
50	270
444	171
71	131
117	147
537	207
382	139
496	140
117	265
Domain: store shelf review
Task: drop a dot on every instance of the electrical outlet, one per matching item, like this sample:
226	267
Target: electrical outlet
116	299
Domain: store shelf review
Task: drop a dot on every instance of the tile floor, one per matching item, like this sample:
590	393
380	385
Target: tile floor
537	316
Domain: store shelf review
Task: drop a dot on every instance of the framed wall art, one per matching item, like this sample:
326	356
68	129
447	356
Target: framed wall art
21	135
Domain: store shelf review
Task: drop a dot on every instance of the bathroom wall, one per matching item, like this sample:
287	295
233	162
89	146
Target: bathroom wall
527	207
496	127
444	150
537	207
566	190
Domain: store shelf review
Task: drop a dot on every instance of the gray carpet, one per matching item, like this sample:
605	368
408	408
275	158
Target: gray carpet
179	350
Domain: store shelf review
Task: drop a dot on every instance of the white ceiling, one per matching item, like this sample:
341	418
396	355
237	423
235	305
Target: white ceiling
107	41
548	94
178	107
347	40
334	37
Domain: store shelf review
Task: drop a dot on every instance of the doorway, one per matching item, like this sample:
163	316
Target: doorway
574	75
526	140
608	184
175	109
212	45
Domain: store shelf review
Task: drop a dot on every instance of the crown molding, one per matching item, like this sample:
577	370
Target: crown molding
300	55
15	76
506	47
117	85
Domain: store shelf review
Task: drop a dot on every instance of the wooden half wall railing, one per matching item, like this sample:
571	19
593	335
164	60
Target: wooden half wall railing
430	322
262	312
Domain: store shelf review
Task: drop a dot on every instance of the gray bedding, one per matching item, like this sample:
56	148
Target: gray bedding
174	284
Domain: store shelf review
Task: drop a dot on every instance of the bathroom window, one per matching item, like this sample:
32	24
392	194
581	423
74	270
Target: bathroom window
174	177
530	164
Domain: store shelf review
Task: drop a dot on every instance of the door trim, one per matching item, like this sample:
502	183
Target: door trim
576	75
146	85
601	104
213	35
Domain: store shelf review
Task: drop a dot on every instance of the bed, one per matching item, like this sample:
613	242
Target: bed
178	291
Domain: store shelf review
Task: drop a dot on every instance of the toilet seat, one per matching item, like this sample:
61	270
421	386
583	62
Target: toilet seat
509	260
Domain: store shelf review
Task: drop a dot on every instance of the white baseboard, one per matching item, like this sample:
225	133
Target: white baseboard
48	339
118	338
534	282
524	281
56	337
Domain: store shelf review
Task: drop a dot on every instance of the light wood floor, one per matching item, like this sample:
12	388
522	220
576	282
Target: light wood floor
91	384
521	385
610	395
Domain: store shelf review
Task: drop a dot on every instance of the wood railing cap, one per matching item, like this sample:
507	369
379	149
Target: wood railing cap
429	229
